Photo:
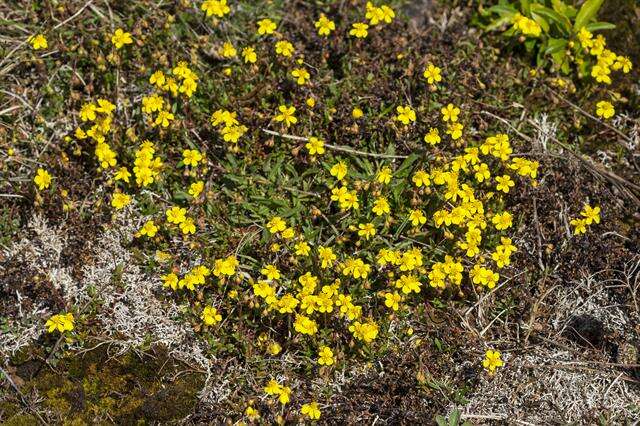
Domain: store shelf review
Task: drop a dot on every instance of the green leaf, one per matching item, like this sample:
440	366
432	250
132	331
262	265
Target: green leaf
455	418
564	9
525	6
503	11
441	421
555	45
599	26
563	23
587	12
541	21
559	58
498	23
530	44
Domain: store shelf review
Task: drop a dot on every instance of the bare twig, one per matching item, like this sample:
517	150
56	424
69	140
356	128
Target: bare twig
585	113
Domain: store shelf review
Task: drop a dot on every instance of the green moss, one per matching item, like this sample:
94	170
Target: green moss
127	389
21	420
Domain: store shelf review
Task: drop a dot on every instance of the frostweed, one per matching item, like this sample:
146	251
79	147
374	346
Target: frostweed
492	360
60	323
42	179
120	38
38	41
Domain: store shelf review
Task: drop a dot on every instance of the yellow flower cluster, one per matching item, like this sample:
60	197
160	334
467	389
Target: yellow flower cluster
195	277
229	127
283	392
526	26
146	167
101	115
589	215
183	81
607	60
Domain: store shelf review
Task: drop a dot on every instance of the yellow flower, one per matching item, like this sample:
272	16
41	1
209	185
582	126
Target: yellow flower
327	257
274	348
301	75
60	322
38	41
325	356
187	226
406	114
366	230
450	113
622	63
302	248
252	413
120	38
191	157
311	410
482	172
324	25
285	395
170	280
284	48
359	30
455	130
433	137
432	73
176	215
374	14
164	118
604	109
196	188
157	78
421	178
387	13
356	113
286	115
272	388
381	206
579	225
42	179
384	176
408	283
417	218
366	332
504	183
339	170
218	8
120	200
591	214
315	146
392	300
310	102
492	361
305	325
249	55
227	50
502	221
288	233
122	174
601	73
266	26
271	272
276	224
149	229
210	315
526	25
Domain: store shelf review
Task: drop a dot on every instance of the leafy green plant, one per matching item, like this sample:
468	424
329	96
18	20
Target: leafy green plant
453	420
553	31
